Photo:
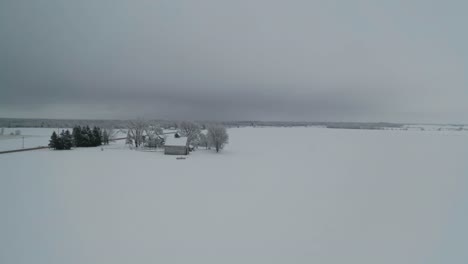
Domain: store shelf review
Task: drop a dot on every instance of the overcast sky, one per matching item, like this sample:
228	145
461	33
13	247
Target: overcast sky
398	61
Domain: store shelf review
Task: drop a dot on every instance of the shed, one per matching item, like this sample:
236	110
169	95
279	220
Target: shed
176	145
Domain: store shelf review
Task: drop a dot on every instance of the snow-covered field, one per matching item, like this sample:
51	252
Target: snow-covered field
33	137
274	195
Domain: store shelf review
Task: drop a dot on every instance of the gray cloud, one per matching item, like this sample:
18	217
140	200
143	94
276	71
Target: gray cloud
294	60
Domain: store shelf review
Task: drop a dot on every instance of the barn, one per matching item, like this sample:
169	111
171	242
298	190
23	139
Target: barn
176	145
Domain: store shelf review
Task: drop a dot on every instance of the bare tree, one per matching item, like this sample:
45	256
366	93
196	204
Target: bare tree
111	133
136	131
190	130
203	141
128	140
155	136
217	136
108	134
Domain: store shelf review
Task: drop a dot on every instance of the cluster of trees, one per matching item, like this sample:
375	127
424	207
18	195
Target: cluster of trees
216	135
142	133
80	137
62	141
87	137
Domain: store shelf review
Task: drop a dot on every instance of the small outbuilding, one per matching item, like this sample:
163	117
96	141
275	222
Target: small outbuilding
176	145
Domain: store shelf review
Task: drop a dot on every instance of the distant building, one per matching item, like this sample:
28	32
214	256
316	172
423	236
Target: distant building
176	145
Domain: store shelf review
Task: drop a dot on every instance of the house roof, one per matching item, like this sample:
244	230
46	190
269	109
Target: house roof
173	141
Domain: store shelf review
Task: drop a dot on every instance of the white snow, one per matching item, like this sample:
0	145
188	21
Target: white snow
171	140
33	137
315	196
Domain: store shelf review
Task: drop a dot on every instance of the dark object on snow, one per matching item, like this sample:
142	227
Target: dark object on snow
63	141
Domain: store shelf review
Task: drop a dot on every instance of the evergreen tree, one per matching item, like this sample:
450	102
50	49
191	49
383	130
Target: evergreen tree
80	136
85	138
53	141
96	137
88	136
77	136
60	143
67	140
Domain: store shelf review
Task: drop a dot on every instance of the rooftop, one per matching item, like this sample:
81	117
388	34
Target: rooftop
173	141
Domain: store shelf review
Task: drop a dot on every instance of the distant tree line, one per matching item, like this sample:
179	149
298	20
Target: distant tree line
80	137
167	124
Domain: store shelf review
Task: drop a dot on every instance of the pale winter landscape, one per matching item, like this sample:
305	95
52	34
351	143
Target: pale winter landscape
233	132
274	195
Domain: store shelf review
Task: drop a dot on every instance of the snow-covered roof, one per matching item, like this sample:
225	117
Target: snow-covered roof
173	141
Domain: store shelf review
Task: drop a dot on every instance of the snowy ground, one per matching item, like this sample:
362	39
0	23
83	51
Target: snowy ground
275	195
33	137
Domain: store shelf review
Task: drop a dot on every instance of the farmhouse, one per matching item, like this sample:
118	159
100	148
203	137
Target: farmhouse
176	145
